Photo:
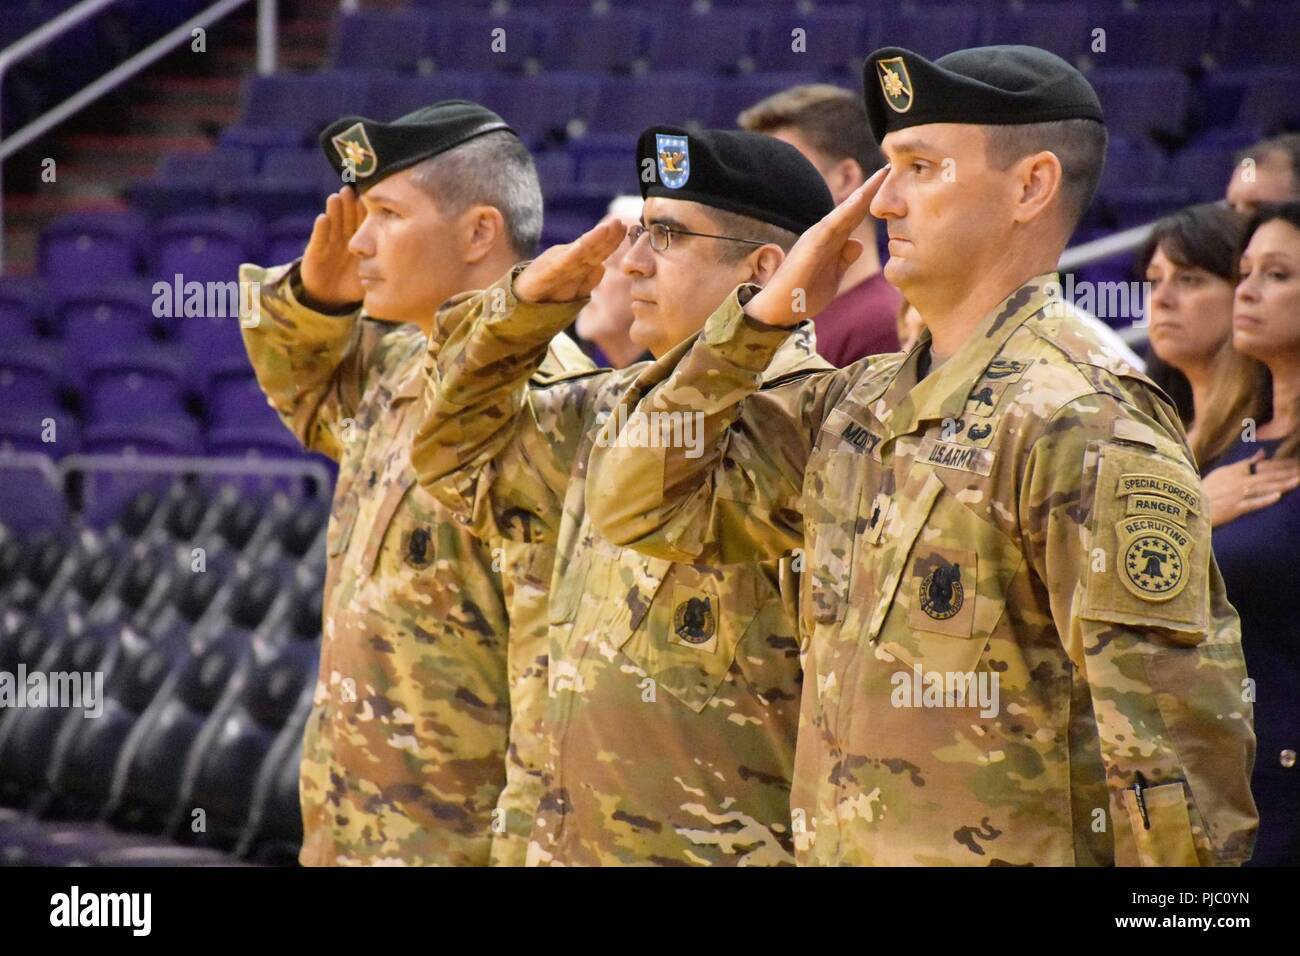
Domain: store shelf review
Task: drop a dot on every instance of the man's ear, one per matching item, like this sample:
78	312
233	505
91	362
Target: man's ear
482	229
1038	185
763	263
844	177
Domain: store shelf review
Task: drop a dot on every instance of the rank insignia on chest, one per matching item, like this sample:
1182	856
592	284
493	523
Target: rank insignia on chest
983	399
693	621
674	159
1005	370
416	548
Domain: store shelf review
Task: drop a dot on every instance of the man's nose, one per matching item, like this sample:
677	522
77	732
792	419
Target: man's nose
887	204
639	259
362	243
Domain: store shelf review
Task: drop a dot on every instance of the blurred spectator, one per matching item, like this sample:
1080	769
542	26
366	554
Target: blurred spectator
829	126
1268	172
1190	262
1257	515
604	322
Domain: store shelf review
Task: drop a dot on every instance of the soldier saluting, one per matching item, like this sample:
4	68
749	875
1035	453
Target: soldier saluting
991	524
405	751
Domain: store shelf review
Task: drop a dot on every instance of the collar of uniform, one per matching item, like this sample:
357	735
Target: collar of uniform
943	393
412	386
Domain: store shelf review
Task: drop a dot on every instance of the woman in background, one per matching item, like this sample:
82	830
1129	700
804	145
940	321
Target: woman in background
1256	512
1190	263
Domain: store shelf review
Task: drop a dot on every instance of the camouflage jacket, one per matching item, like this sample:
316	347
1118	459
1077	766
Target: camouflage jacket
404	751
673	687
1020	649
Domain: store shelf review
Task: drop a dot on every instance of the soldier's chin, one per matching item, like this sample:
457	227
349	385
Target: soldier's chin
899	271
375	307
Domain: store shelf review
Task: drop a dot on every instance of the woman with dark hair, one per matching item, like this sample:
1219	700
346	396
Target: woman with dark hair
1257	537
1190	263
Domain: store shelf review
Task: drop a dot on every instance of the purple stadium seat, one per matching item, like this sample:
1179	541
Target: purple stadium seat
29	377
717	40
832	37
1134	207
211	342
91	247
29	501
190	181
612	41
273	441
1062	28
382	40
610	173
170	436
519	100
1262	98
562	226
307	102
1148	36
1131	163
466	42
555	170
1142	103
26	430
292	181
732	97
134	388
394	96
286	238
1264	35
21	310
630	104
99	321
236	400
1202	170
931	31
206	247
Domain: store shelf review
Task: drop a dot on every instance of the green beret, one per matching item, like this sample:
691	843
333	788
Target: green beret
984	86
375	150
737	171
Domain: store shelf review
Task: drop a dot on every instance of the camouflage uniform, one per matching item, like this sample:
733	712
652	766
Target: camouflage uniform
1026	513
673	688
404	751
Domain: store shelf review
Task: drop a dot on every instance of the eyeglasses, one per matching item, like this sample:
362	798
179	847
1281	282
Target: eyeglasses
661	236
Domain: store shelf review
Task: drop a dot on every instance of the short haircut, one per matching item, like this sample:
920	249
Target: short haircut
1080	145
496	170
832	120
746	227
1287	145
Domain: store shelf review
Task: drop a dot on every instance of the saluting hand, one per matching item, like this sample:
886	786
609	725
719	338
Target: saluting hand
810	275
570	271
329	271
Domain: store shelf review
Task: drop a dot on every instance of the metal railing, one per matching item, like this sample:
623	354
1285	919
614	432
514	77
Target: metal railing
82	12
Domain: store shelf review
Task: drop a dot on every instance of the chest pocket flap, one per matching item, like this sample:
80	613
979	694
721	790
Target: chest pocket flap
697	620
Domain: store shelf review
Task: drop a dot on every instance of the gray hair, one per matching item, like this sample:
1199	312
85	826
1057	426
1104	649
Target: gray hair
496	170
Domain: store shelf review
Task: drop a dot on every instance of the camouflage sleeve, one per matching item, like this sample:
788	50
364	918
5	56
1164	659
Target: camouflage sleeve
733	493
1117	532
313	366
506	397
